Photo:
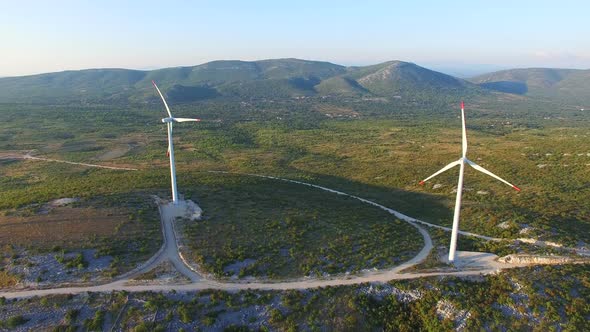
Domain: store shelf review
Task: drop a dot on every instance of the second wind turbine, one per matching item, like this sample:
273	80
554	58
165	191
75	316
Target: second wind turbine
168	121
461	162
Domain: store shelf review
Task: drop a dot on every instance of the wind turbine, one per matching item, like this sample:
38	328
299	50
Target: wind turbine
461	162
168	121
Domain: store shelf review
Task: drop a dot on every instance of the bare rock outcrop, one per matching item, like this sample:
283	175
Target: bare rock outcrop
531	259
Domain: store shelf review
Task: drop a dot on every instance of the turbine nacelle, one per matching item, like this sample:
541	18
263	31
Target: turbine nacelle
171	120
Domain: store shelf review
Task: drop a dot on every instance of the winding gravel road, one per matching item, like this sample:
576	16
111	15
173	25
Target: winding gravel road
471	263
170	252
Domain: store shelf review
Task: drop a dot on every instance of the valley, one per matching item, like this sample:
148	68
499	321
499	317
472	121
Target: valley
350	133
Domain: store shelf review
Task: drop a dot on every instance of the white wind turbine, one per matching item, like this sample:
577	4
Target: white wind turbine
168	121
461	162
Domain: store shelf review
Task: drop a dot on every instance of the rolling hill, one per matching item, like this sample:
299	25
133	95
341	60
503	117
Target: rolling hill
564	85
278	78
400	78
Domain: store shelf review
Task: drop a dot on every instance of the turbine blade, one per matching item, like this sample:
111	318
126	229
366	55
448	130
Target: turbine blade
162	96
446	168
485	171
464	131
186	120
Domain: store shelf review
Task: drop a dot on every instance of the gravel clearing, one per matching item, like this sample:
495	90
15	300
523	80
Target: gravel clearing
49	269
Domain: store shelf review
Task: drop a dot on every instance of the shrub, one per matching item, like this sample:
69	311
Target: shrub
15	321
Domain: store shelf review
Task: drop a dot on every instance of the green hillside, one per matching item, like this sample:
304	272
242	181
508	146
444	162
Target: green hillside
403	78
564	85
70	86
279	78
290	78
341	85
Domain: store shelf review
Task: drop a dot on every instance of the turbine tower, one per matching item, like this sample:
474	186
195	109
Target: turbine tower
461	162
168	121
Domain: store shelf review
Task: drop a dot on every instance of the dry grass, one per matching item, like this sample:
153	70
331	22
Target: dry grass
61	226
7	280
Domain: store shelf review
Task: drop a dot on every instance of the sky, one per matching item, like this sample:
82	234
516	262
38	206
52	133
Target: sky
48	36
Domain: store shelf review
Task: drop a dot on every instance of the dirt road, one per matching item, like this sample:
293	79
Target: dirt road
469	263
29	157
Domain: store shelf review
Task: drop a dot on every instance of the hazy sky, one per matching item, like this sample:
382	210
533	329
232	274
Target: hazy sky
44	36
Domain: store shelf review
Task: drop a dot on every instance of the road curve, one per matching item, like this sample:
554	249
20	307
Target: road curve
397	214
170	251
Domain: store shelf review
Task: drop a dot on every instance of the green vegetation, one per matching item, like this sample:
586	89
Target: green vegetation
71	316
222	80
568	85
355	141
96	323
380	154
77	261
541	298
276	229
14	322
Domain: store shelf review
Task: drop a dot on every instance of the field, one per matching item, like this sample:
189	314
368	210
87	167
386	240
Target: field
273	229
261	228
125	227
379	154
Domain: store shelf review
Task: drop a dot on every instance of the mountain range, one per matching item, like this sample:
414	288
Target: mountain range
284	78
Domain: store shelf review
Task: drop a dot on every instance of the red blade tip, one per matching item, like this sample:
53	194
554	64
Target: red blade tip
515	188
154	83
462	104
421	183
198	120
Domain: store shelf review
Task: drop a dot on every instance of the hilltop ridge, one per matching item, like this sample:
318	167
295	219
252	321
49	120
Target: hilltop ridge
274	78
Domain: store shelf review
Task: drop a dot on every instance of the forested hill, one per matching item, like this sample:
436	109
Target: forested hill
279	78
564	85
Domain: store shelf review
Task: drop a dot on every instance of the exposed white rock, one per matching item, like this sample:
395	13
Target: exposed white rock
525	240
63	201
446	310
382	290
530	259
553	244
525	230
194	212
